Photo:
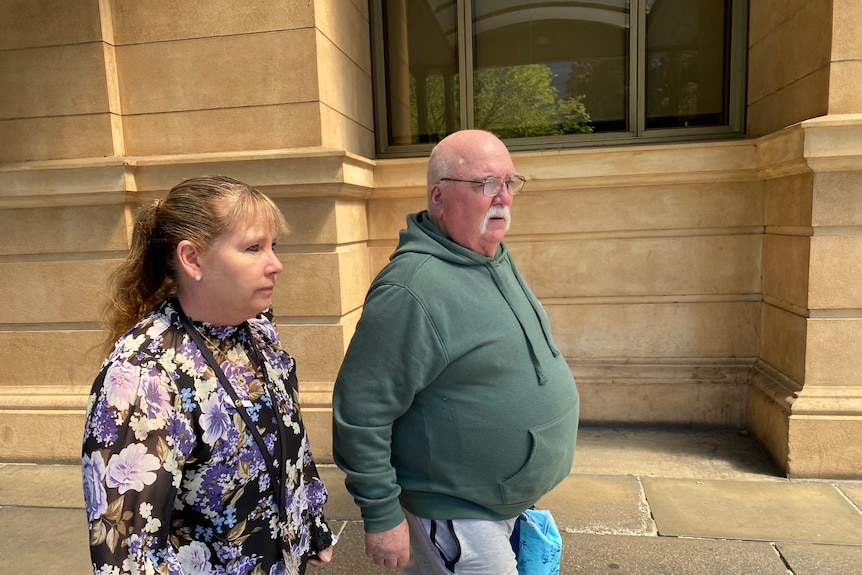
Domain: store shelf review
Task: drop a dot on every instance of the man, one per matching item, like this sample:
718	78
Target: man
453	411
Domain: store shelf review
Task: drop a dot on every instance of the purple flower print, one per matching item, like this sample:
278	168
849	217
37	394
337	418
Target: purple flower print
132	468
215	419
183	435
121	385
195	559
155	394
95	496
102	422
246	565
316	494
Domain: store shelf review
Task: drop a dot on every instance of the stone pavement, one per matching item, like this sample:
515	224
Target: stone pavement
640	502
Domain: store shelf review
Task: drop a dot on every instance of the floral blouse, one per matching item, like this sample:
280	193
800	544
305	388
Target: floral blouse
175	481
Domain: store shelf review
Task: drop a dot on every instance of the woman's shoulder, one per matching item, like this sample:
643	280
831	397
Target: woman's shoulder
145	337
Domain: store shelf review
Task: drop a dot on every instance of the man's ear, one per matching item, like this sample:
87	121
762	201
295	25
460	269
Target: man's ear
189	258
435	198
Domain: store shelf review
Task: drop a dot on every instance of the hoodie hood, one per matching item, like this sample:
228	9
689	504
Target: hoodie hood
423	237
420	229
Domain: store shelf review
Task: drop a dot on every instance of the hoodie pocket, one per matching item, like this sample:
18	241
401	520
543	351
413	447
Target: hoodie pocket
550	460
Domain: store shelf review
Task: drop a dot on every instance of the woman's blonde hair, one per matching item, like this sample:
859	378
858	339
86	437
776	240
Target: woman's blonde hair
199	210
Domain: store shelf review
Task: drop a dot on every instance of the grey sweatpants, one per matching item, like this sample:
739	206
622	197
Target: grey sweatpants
484	547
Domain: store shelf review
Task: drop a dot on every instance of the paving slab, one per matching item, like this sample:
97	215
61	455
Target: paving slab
608	504
587	554
713	453
814	559
753	510
44	541
853	492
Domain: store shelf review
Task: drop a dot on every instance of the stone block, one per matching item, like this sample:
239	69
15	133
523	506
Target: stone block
589	554
610	505
312	221
833	356
567	208
788	202
672	401
47	22
387	217
63	184
656	330
803	39
837	199
309	285
814	559
844	96
805	98
835	270
846	44
354	276
223	130
753	511
824	446
63	230
351	226
622	167
400	178
335	70
783	345
318	349
348	28
696	266
766	417
785	269
53	81
767	15
327	284
53	291
146	21
341	132
43	436
62	551
253	70
283	174
38	358
56	138
318	424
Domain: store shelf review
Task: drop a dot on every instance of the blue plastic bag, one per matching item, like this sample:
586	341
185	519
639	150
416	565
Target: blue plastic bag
537	543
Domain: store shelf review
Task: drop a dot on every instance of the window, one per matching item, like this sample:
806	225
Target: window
544	73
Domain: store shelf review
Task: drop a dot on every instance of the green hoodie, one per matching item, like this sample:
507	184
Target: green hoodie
453	399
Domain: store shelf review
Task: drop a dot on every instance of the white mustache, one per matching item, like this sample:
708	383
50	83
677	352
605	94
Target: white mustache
497	212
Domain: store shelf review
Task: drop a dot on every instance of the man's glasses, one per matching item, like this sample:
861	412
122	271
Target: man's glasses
493	185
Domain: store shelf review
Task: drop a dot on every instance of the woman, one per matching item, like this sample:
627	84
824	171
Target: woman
195	458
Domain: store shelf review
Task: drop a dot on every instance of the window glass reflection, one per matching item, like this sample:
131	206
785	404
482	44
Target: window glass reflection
421	46
545	69
688	55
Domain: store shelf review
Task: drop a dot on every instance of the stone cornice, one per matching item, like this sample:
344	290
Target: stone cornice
302	172
827	144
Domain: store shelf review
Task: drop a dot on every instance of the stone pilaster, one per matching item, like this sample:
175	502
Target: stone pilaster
805	402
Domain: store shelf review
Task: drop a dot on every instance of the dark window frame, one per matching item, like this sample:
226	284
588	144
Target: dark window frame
737	35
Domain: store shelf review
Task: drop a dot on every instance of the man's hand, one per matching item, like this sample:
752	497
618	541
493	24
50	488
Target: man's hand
389	548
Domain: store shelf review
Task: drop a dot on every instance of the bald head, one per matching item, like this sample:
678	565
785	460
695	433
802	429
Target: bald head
458	154
457	168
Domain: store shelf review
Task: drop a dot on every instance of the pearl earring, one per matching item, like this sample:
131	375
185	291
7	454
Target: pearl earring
197	278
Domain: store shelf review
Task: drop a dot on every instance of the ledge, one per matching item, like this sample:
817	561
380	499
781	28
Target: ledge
300	172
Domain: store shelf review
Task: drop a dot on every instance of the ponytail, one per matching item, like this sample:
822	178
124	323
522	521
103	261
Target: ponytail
143	278
199	210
